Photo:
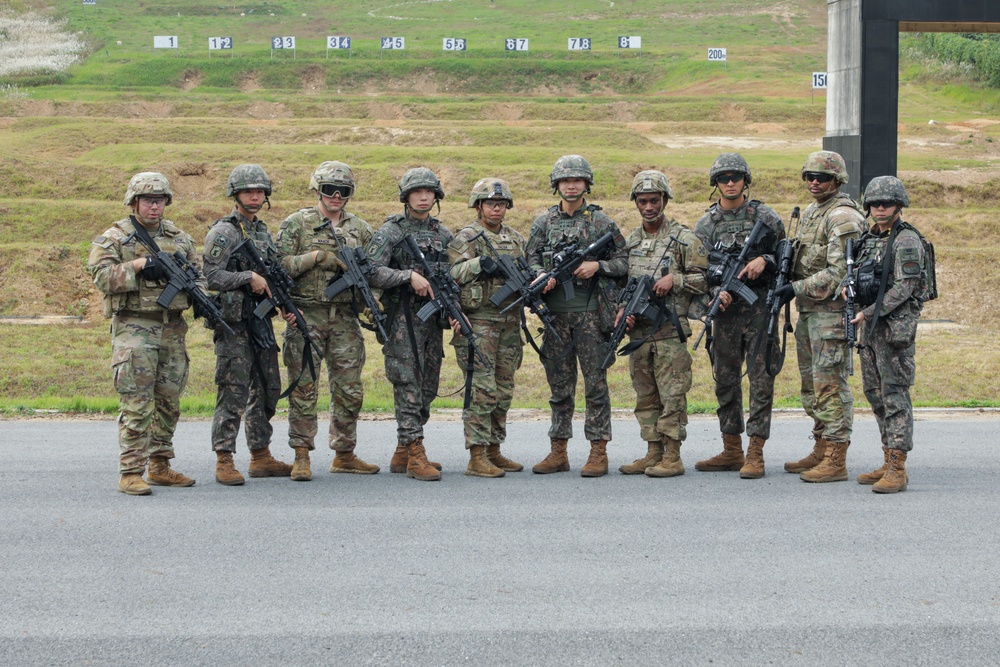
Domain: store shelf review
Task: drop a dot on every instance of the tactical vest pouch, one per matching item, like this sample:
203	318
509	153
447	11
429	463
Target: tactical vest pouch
929	290
231	305
471	297
902	330
869	276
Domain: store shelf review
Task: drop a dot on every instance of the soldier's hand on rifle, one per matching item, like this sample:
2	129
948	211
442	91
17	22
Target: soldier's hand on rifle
367	312
549	286
753	269
456	326
725	298
288	317
663	286
328	260
586	270
859	318
258	284
487	267
784	294
420	285
138	264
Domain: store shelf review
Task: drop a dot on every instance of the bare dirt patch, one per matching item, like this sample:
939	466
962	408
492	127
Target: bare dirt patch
268	110
314	79
385	110
502	111
191	79
249	83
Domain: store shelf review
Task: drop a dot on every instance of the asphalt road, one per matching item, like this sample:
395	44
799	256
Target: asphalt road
524	570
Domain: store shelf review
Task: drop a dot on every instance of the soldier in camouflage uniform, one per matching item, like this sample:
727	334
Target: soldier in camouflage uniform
149	359
818	268
414	349
887	352
309	241
736	331
246	368
661	368
584	322
475	269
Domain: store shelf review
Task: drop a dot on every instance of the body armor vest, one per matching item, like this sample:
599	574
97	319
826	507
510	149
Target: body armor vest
170	239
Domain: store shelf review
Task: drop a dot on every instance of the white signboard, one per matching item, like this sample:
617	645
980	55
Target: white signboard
338	42
90	2
282	42
716	55
630	42
393	43
819	80
515	44
220	43
578	44
453	44
165	42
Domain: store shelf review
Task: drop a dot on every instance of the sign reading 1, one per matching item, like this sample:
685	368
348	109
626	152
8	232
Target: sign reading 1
394	43
579	44
453	44
282	42
337	42
515	44
165	41
717	55
220	43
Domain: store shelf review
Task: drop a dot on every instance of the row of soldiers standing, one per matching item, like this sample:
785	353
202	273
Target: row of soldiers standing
149	360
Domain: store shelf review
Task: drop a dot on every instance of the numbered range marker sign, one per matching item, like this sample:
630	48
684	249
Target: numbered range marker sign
90	2
393	43
282	42
220	43
453	44
515	44
165	41
716	55
578	44
632	42
820	80
338	42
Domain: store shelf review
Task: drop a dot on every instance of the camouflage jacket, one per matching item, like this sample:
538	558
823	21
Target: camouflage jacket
476	288
687	264
307	230
820	262
110	266
728	230
905	279
227	273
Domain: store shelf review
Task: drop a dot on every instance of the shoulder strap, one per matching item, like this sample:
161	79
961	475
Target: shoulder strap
886	265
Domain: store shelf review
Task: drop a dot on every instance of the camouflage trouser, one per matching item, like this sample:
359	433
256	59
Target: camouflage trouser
336	331
887	374
821	346
150	366
661	375
584	330
242	393
492	390
735	334
415	381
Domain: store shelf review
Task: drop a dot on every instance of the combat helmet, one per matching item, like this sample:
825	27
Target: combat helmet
148	183
729	162
419	178
491	188
885	188
571	166
650	181
332	173
826	162
248	177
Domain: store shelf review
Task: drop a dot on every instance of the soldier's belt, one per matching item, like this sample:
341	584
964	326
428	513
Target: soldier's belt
159	316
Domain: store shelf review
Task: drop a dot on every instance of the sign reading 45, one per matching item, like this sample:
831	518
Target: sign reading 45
394	43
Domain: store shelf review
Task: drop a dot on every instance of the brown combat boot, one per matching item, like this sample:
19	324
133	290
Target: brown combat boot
225	472
160	473
134	485
670	465
301	470
833	467
400	458
348	462
869	478
814	459
731	457
895	478
417	465
262	464
501	461
480	465
754	466
654	453
597	462
556	461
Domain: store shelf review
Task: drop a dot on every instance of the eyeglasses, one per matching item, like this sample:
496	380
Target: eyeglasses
153	201
729	178
881	204
819	178
329	190
495	203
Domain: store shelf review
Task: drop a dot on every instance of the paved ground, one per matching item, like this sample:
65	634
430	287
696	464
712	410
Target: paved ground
525	570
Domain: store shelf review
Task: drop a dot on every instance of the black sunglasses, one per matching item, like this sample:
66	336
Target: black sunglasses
819	178
729	178
329	189
881	204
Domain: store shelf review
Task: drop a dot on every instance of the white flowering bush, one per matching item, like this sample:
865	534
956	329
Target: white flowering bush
31	43
11	91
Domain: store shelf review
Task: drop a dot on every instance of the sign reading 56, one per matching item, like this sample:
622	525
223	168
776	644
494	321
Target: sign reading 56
453	44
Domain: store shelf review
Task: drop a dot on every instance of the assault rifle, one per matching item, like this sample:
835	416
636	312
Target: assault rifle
786	252
564	263
182	277
445	299
851	293
641	301
729	282
359	270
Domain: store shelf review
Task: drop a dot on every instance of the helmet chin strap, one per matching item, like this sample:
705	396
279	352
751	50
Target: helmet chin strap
572	198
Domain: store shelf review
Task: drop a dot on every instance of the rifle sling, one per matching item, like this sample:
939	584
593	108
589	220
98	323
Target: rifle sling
884	283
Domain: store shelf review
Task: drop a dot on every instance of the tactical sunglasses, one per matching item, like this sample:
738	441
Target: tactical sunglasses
819	178
329	189
495	203
153	201
729	178
881	204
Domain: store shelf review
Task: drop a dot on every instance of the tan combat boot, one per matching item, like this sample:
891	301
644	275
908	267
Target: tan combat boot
480	465
895	478
501	461
556	461
160	473
731	457
869	478
400	458
597	462
670	465
301	470
833	467
814	459
134	485
346	461
262	464
417	465
754	466
654	453
225	472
